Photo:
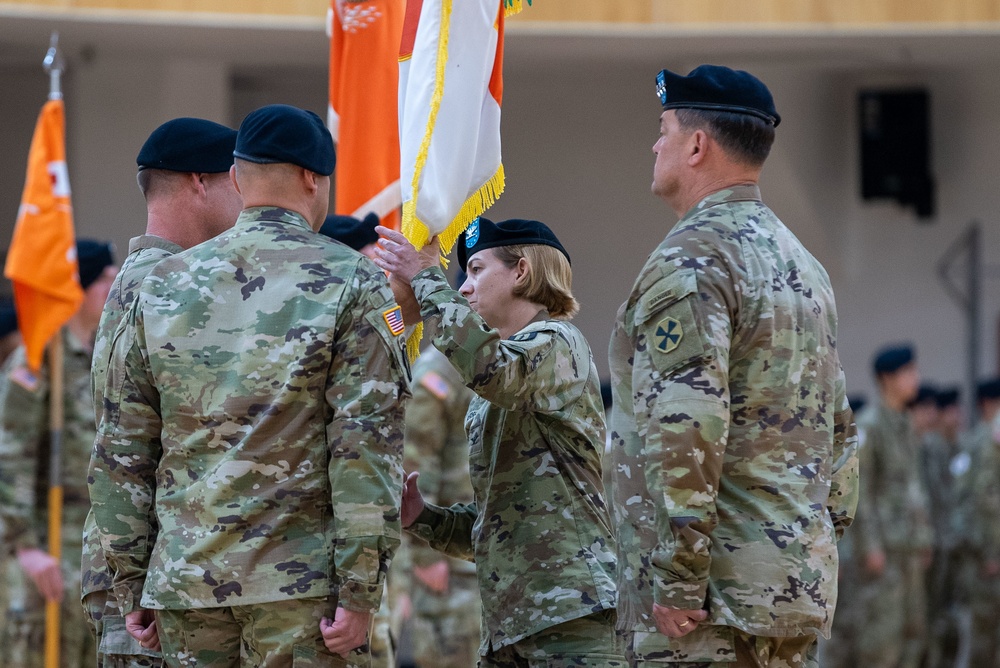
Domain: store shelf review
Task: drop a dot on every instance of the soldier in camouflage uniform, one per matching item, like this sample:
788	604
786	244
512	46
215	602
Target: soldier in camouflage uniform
35	576
445	592
893	537
936	452
734	467
982	576
359	234
256	413
539	529
190	198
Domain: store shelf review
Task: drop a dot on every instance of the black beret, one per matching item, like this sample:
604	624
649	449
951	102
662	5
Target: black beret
484	233
989	389
281	133
891	359
350	231
717	88
856	402
189	145
948	397
926	394
8	317
93	257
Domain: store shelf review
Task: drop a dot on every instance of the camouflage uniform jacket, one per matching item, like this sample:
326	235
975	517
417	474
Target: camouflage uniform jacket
257	413
24	450
436	445
893	515
984	523
734	465
539	529
143	254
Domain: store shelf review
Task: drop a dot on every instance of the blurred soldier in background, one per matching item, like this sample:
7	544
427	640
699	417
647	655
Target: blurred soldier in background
445	592
36	576
893	538
982	579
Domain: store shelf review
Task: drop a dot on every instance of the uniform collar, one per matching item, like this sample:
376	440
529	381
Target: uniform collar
272	214
748	192
146	241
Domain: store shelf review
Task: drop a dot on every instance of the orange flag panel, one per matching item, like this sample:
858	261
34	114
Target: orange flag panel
41	261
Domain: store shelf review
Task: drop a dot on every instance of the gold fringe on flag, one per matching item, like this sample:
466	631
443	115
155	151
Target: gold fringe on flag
512	7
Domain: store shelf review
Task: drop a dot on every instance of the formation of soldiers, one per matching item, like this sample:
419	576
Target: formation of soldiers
918	579
240	398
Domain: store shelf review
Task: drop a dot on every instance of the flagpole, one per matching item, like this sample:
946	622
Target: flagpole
54	65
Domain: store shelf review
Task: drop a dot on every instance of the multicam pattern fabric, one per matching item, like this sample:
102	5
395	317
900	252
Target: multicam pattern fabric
275	472
734	456
144	252
539	529
24	481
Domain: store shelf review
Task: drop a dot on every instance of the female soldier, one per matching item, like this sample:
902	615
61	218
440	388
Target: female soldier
539	529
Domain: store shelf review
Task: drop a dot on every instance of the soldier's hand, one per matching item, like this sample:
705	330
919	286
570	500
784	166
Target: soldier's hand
407	301
44	571
397	255
875	563
141	625
434	577
413	502
677	623
347	631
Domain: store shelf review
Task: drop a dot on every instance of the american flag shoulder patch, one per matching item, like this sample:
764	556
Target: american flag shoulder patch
394	318
25	378
436	385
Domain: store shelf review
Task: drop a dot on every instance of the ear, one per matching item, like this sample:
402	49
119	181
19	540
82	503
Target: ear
698	146
521	270
197	181
309	180
232	177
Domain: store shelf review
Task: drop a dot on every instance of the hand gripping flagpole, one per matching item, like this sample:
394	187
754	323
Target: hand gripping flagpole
54	65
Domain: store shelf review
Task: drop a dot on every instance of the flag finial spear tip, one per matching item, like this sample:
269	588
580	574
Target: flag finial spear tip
54	65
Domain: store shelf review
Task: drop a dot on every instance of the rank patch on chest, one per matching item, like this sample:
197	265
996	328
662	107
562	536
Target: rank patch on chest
668	335
394	318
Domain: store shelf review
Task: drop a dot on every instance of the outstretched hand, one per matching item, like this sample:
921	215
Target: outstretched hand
396	255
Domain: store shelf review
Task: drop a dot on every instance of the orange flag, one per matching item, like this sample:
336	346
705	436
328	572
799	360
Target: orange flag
41	261
363	115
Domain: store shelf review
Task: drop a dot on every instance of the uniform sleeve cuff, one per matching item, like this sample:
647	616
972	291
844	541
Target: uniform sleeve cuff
680	595
129	596
360	596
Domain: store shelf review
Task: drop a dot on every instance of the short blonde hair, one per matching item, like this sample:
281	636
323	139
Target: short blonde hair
548	280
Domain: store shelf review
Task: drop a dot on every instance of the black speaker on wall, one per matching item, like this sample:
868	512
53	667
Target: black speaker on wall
895	148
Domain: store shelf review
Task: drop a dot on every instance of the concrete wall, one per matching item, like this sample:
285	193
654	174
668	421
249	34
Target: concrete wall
577	146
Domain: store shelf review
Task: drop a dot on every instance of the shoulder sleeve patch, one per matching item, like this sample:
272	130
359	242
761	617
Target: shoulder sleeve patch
436	385
394	319
23	376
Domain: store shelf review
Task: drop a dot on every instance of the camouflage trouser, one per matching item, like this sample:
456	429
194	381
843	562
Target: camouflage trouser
588	642
984	601
381	643
116	648
445	627
711	646
23	635
893	629
282	634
